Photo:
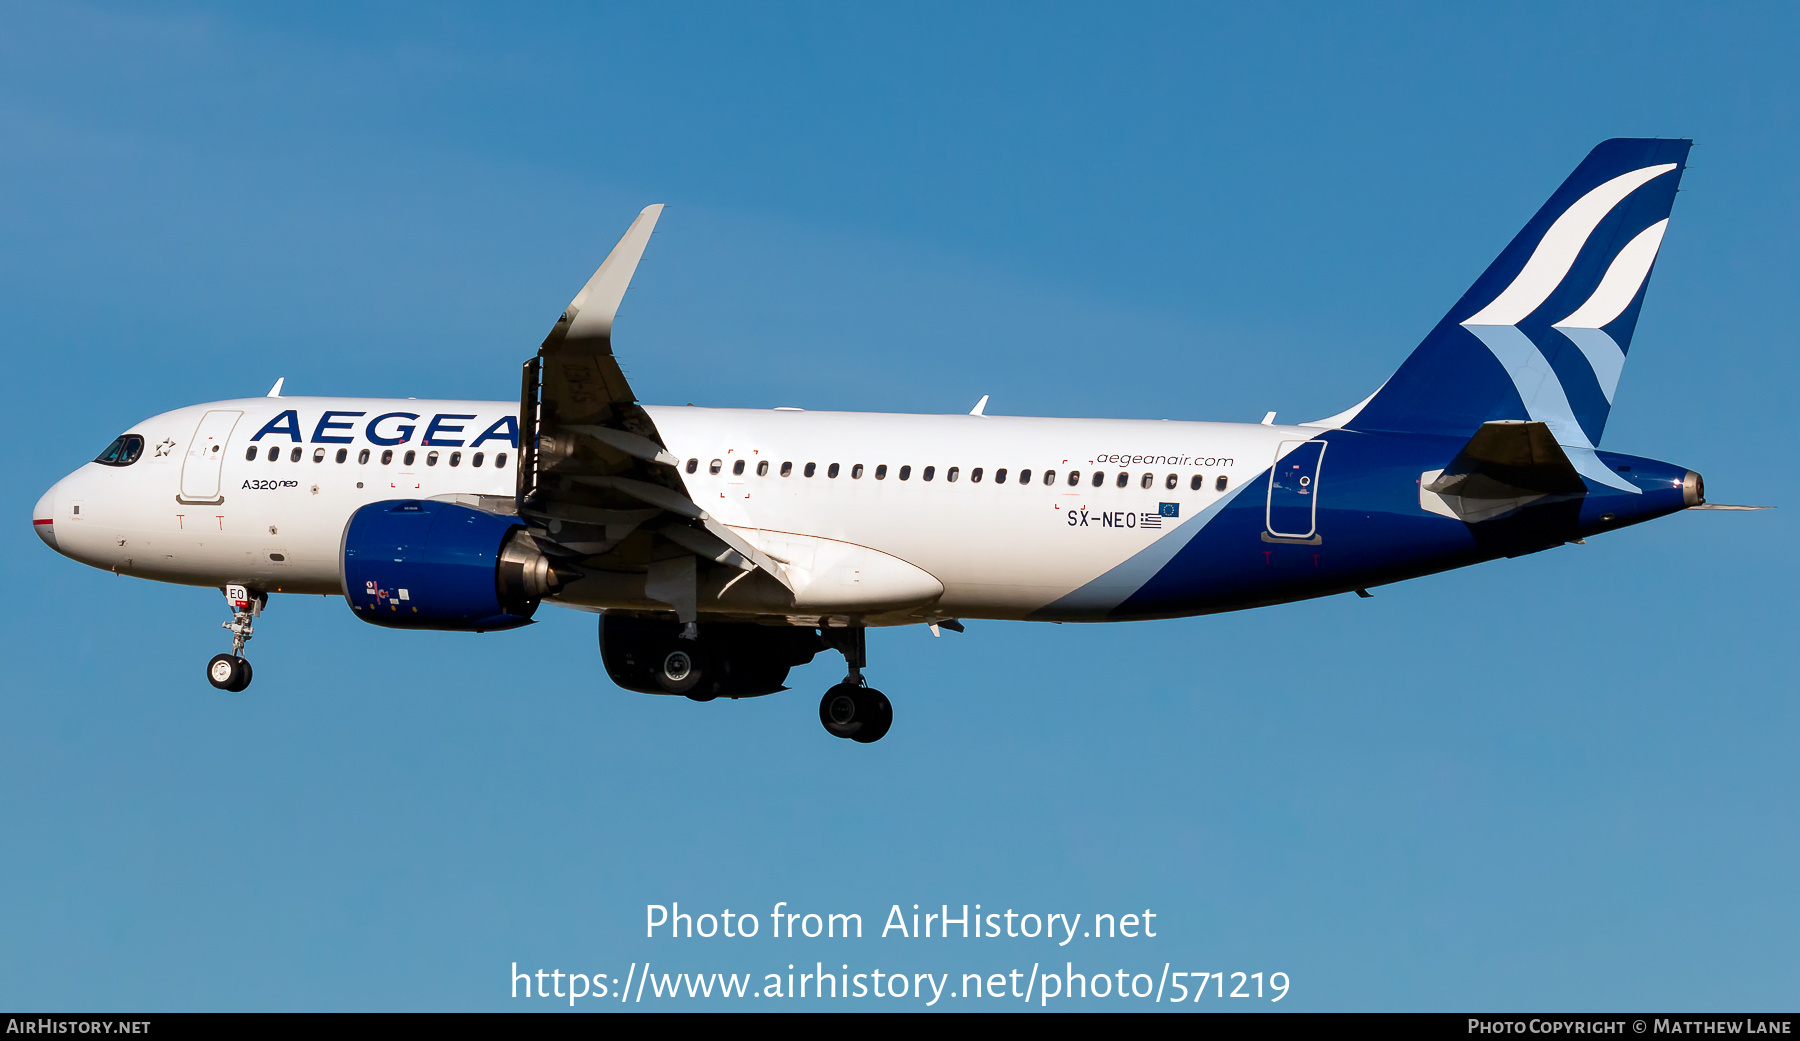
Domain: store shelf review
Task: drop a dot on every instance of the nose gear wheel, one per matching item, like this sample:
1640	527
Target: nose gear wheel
228	672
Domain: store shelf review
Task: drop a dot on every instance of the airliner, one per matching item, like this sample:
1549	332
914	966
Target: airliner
721	547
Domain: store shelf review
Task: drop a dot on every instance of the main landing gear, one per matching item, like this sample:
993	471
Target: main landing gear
853	709
231	671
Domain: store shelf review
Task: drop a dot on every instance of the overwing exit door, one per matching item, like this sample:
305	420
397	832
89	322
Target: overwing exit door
206	458
1293	510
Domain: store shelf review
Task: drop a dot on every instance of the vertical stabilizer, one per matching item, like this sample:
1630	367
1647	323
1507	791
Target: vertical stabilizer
1543	333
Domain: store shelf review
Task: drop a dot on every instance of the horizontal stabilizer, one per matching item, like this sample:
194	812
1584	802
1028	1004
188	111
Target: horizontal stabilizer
1507	466
1509	458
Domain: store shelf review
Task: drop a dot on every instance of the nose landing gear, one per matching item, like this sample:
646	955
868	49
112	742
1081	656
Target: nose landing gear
231	671
853	709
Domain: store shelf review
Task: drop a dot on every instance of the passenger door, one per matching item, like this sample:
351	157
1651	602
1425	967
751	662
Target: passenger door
205	458
1293	505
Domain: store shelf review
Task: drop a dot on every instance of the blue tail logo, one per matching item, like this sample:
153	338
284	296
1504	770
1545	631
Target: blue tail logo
1543	333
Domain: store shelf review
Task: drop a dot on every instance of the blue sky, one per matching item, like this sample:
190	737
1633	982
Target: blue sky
1563	781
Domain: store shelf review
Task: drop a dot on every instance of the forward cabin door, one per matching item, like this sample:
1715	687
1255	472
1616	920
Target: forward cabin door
206	457
1293	509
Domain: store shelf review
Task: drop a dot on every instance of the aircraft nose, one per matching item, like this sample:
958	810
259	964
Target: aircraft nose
43	517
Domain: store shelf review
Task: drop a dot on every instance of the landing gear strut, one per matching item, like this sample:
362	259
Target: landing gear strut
853	709
231	671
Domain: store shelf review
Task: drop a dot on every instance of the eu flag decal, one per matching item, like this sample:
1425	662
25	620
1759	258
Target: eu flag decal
1169	509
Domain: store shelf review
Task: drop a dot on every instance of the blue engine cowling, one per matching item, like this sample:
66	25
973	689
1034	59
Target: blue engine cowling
420	564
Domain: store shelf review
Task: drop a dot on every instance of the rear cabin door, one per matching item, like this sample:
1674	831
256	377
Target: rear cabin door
1294	490
206	457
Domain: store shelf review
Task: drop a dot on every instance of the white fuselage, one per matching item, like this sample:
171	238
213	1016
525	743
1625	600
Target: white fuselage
919	489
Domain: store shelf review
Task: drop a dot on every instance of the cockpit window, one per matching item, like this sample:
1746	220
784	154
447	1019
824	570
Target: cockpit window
123	451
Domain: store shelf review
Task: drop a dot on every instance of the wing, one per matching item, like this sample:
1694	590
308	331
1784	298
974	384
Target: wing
582	382
594	472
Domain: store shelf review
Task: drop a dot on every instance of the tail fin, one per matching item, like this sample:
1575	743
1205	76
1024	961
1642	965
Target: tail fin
1542	334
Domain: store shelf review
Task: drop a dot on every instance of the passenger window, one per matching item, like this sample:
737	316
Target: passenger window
500	460
343	455
856	472
811	468
787	469
930	472
387	457
318	455
881	472
408	458
362	457
692	466
294	456
975	475
1220	483
714	467
1199	479
1171	482
1000	475
737	468
431	458
762	468
455	458
251	454
1075	478
905	472
474	460
1049	477
832	470
950	474
1025	477
1123	480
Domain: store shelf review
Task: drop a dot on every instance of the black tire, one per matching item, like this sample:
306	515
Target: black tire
682	670
228	672
880	713
858	713
840	712
222	671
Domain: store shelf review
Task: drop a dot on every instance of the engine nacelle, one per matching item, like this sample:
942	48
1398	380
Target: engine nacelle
729	659
422	564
